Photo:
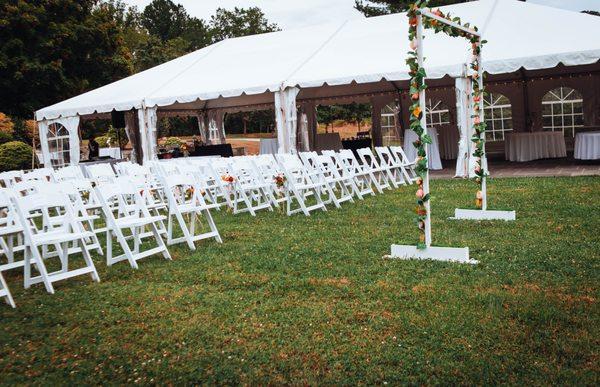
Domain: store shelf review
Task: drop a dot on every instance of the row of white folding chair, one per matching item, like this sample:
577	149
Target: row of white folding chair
127	218
251	191
301	186
178	194
214	189
323	169
58	227
185	198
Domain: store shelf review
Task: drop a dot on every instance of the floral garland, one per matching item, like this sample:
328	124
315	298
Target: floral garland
417	85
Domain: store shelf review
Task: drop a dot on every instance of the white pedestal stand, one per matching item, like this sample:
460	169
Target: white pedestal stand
463	214
447	254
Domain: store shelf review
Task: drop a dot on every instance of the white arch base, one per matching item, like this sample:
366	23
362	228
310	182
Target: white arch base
444	254
465	214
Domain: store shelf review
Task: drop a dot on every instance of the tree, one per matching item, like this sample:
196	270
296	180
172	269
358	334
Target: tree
165	19
383	7
51	50
239	22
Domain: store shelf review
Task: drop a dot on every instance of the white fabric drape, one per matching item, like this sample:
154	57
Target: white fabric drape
463	122
148	120
202	127
303	130
216	126
71	124
286	117
43	132
130	131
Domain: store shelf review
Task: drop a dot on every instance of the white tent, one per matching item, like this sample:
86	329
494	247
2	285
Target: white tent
356	56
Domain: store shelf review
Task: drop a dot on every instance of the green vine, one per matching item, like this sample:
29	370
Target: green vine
418	85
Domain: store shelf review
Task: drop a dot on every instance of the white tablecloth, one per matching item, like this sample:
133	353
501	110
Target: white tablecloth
410	136
268	146
114	153
534	146
448	138
587	146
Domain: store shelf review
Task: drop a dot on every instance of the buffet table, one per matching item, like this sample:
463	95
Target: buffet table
113	153
534	146
435	163
587	146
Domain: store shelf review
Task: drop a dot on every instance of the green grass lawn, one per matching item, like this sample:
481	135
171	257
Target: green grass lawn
311	301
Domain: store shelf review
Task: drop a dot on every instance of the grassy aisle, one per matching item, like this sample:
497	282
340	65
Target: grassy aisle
309	300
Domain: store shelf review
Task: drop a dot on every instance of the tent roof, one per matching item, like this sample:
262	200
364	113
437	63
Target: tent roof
519	34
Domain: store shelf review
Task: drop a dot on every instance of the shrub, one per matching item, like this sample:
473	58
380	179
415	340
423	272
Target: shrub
5	137
15	155
173	141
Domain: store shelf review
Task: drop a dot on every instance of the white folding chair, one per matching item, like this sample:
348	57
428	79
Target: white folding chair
402	159
185	199
396	170
213	192
10	231
9	178
322	168
363	177
369	161
58	228
301	186
101	173
267	167
45	175
343	173
76	191
250	192
125	209
71	172
5	292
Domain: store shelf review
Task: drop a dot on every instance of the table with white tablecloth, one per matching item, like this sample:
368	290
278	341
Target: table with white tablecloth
114	153
587	146
435	162
448	137
529	146
268	146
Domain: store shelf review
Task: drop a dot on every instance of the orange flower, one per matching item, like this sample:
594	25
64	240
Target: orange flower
417	111
414	96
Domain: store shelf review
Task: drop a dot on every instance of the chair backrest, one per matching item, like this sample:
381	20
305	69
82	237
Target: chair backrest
70	172
367	157
29	187
101	173
9	178
385	156
41	174
55	208
7	209
401	157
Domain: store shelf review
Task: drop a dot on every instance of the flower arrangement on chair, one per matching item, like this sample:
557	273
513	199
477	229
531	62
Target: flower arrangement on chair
280	182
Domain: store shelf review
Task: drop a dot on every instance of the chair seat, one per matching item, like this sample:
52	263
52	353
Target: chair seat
59	236
135	221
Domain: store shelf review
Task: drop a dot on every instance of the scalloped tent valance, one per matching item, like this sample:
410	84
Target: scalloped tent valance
520	35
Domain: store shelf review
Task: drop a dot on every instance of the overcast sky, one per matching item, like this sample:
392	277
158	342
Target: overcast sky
293	13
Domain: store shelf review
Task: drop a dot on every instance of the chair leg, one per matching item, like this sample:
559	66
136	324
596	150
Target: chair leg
39	261
88	260
5	292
